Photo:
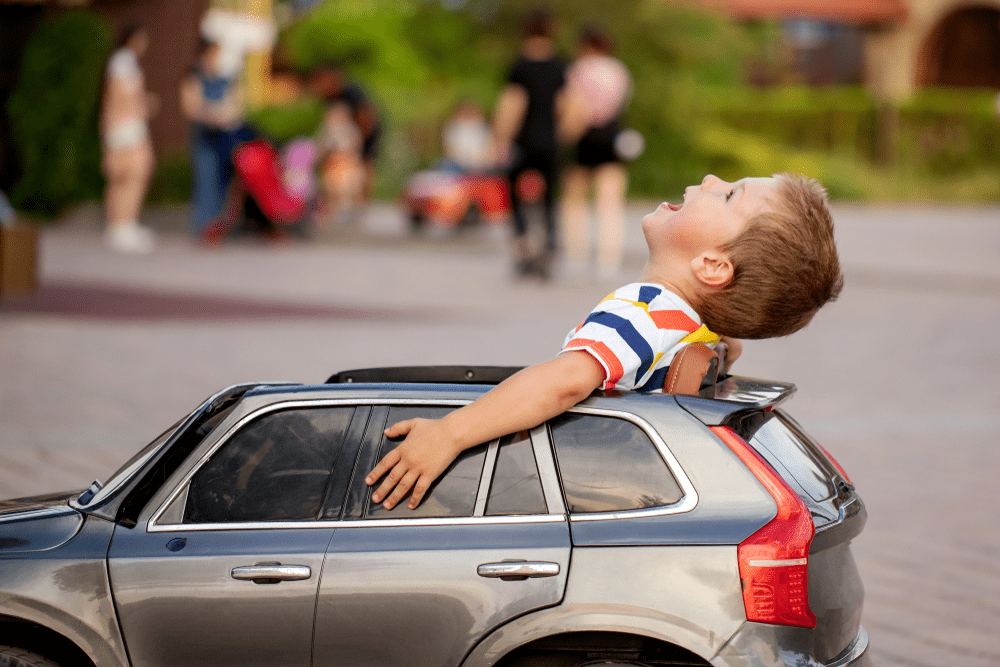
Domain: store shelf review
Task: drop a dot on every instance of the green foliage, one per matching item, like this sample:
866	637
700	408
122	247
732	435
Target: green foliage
281	123
420	59
171	182
940	133
54	112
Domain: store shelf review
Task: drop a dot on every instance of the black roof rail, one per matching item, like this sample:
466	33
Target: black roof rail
427	375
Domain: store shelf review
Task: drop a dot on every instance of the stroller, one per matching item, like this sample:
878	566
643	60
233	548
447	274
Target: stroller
273	189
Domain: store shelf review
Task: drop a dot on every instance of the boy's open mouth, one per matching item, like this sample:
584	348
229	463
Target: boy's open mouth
672	207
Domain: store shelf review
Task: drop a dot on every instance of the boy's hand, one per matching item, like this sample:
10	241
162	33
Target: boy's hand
734	348
425	453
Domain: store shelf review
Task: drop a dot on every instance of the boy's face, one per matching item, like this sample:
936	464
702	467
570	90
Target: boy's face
712	215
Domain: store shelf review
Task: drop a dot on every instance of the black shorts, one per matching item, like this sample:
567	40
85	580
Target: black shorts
597	145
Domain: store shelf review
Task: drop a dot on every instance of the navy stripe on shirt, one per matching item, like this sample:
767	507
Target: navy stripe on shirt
647	293
631	336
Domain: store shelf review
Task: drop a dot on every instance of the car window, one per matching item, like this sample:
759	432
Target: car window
789	452
453	494
276	468
609	465
516	487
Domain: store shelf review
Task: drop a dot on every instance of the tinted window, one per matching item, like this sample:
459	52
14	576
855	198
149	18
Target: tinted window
609	464
516	487
274	469
792	456
451	494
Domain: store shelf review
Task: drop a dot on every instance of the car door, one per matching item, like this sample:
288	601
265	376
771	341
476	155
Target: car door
226	572
420	587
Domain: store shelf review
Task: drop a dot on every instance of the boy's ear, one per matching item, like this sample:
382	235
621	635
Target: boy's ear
713	268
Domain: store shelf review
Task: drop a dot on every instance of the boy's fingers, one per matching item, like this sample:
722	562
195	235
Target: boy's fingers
387	462
419	489
394	476
404	485
400	428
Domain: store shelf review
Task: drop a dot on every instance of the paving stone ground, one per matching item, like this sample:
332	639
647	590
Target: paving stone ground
898	378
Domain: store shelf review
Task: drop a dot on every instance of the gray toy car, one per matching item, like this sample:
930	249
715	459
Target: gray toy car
632	530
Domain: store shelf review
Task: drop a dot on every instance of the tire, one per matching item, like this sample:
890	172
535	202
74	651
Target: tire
11	656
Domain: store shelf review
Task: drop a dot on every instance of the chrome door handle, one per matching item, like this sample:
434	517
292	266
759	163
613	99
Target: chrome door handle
271	573
517	570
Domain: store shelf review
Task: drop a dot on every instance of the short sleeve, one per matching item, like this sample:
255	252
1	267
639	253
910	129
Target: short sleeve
620	335
633	333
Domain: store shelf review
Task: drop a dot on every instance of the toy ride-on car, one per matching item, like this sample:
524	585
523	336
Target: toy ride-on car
635	529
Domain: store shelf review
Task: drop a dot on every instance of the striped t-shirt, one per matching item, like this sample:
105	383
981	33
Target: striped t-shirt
635	332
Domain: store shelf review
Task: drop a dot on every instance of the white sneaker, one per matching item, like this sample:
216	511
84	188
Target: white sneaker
131	239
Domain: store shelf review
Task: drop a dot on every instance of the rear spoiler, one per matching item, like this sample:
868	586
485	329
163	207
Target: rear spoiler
734	397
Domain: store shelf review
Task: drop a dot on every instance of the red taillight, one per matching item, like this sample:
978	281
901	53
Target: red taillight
836	465
774	561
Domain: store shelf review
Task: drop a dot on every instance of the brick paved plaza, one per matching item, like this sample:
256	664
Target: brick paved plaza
898	379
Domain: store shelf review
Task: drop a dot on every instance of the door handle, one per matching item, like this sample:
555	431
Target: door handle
518	570
271	573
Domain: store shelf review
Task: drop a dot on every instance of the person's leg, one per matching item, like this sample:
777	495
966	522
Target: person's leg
518	221
610	184
139	173
128	177
575	218
548	165
205	198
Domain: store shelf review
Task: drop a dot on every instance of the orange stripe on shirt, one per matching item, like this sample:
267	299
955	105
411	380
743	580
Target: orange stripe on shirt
672	319
611	361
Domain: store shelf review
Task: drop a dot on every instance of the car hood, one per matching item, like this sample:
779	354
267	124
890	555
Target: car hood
37	523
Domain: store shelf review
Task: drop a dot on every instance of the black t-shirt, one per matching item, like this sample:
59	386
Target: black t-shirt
542	79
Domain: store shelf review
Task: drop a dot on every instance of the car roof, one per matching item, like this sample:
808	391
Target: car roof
715	405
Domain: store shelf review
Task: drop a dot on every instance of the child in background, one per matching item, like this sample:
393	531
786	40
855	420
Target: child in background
342	172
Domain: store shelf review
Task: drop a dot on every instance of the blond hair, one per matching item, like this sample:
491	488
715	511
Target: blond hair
785	266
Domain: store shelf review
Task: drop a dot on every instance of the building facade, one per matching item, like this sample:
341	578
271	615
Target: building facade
900	45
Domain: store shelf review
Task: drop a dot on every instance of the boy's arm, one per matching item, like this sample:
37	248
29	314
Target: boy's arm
520	402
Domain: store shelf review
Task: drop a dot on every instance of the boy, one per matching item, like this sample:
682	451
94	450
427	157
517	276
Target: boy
751	259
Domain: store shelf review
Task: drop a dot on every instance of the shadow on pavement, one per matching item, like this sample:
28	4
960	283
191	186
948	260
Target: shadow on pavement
128	304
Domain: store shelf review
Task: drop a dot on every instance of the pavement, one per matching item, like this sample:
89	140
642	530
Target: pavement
898	378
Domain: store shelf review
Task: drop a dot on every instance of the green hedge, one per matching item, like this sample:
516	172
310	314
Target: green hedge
53	112
940	132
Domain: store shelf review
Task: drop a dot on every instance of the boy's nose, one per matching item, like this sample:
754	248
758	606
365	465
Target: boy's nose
709	181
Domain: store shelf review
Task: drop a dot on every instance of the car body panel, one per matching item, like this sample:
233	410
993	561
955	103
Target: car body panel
399	595
175	604
688	596
38	529
760	645
35	503
67	590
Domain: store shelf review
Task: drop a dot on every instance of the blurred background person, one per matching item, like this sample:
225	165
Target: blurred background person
329	82
467	141
343	174
525	127
211	100
127	150
598	89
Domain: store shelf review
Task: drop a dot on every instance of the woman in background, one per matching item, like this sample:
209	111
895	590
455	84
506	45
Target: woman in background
128	153
598	89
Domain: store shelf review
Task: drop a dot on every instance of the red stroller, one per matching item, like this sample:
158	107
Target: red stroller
260	186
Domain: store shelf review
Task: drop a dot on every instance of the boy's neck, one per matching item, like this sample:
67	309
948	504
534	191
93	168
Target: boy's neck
670	281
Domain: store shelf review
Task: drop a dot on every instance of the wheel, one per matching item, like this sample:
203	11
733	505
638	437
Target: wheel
11	656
